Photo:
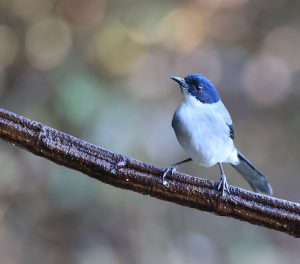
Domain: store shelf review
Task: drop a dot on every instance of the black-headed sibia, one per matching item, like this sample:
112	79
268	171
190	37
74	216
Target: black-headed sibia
204	129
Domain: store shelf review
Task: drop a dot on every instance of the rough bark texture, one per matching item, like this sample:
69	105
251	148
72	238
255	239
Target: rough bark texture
134	175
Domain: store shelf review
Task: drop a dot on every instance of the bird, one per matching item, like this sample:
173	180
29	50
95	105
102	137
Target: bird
204	128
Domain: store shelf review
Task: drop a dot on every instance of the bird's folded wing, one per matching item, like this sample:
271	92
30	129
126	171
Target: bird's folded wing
223	112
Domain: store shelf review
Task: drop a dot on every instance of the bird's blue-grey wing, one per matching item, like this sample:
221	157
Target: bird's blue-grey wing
223	112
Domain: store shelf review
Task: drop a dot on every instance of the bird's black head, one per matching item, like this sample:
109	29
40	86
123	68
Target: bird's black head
198	86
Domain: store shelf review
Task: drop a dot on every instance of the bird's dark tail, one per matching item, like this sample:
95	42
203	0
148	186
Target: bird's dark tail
257	181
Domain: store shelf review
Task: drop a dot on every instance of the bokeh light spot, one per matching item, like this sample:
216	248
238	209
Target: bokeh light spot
183	29
223	23
150	79
284	42
215	4
114	49
31	9
78	97
143	21
47	43
83	14
267	80
8	46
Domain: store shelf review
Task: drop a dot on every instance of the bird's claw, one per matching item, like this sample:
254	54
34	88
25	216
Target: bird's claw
223	185
168	171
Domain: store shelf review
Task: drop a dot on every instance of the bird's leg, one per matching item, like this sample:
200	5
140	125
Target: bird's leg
223	185
172	169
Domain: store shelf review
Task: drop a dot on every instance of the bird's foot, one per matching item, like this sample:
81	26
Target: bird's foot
168	172
223	185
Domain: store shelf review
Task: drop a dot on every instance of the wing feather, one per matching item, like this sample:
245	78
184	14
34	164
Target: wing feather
222	110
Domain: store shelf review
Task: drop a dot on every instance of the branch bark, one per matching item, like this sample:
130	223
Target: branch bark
127	173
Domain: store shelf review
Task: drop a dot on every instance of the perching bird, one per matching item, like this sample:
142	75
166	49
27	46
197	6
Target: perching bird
204	129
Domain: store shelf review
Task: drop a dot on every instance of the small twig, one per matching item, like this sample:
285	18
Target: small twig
131	174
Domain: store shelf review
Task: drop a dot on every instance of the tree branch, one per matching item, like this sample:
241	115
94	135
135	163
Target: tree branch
131	174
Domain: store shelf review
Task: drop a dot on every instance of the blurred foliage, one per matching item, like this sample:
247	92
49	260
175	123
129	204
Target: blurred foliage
100	70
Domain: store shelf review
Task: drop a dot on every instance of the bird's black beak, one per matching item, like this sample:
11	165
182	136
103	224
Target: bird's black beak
180	81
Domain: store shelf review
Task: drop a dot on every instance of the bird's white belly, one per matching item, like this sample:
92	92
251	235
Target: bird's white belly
203	135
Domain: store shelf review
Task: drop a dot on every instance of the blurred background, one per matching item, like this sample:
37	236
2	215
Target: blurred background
99	70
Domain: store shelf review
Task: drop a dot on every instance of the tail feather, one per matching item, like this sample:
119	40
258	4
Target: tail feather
256	179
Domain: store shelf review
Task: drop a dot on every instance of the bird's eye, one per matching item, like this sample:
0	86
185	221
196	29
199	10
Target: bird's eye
199	87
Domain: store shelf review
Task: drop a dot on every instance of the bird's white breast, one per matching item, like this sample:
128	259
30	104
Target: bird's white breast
203	132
